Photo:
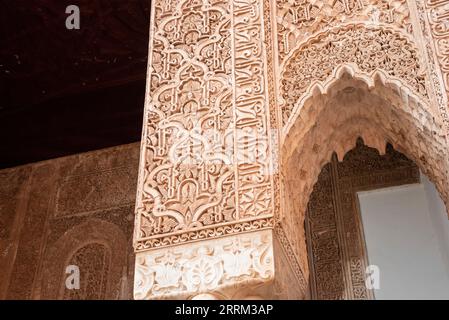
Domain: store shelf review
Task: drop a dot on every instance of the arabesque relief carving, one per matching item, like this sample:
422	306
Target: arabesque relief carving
192	269
368	48
206	170
299	19
438	17
235	132
190	93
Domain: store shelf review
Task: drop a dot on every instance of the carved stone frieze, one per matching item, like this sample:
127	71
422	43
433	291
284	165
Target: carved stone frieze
437	44
191	269
298	19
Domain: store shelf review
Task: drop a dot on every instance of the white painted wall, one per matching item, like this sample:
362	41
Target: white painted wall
407	236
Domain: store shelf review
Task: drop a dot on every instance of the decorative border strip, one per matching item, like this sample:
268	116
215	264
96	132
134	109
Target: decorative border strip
206	233
216	264
251	112
433	15
288	250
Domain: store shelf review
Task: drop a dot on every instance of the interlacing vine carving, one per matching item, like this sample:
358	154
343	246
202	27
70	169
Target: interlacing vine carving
184	184
368	48
298	19
222	74
204	114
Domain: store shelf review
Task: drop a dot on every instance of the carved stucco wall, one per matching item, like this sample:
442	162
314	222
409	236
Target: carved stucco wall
74	210
330	96
206	101
247	100
335	237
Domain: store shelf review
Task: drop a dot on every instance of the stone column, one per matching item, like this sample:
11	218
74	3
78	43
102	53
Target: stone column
205	202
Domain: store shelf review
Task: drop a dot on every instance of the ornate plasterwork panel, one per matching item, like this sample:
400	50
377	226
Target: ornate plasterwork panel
298	19
191	269
205	170
254	182
336	244
434	16
189	92
422	24
221	75
366	48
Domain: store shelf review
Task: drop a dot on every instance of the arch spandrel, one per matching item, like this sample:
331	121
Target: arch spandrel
299	19
366	51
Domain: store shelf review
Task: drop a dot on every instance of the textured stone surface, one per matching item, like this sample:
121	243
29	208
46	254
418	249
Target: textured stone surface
320	73
74	210
233	267
13	198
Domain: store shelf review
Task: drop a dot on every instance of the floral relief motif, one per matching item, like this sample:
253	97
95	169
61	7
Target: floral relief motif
197	127
298	19
369	48
204	266
251	110
438	17
203	272
208	193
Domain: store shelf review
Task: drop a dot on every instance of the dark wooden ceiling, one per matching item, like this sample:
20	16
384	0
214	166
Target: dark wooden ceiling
68	91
